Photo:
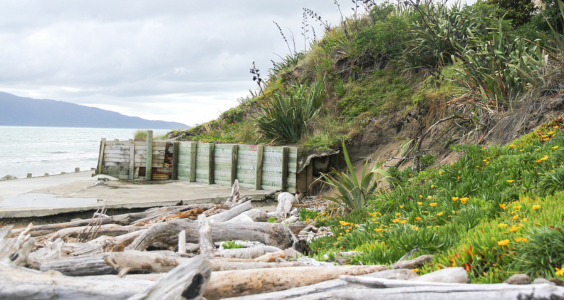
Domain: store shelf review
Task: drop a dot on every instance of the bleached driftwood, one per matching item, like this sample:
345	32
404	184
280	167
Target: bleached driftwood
271	257
414	263
285	202
182	242
230	266
235	198
166	233
114	262
232	213
123	219
459	292
58	249
247	253
188	279
107	230
117	243
15	251
247	282
205	237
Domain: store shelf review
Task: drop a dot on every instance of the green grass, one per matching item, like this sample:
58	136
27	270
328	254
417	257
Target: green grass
455	211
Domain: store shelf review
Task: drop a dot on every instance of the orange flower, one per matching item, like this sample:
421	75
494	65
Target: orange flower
535	207
401	206
433	204
455	198
417	218
395	220
403	221
503	243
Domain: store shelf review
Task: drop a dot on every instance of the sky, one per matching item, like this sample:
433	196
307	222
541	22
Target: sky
174	60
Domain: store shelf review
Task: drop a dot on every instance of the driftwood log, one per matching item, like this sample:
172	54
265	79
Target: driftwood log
247	282
123	219
205	237
458	292
187	280
166	233
114	262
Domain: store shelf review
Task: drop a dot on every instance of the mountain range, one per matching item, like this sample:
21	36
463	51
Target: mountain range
22	111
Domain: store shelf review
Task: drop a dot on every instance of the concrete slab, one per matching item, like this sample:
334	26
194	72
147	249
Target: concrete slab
78	194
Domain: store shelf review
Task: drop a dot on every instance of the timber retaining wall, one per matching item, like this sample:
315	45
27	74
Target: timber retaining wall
254	166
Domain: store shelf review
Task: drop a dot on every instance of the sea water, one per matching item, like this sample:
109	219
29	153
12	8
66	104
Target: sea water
40	150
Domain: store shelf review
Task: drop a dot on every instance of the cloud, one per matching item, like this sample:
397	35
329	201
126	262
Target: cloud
181	60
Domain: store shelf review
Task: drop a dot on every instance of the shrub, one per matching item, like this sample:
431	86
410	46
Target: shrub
231	245
140	135
552	182
519	11
287	116
353	192
542	252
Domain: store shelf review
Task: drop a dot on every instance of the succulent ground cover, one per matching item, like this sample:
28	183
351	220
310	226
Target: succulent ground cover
497	211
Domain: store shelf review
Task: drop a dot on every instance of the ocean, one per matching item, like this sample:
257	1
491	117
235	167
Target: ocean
40	150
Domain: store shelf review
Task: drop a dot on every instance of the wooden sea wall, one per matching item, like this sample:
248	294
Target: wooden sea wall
255	166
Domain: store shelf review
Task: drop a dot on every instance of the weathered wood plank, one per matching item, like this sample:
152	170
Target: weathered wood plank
175	157
101	156
193	157
211	163
149	158
131	161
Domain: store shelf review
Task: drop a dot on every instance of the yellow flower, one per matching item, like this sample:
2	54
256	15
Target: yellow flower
555	147
440	214
440	172
348	230
525	219
378	230
417	218
398	214
420	203
513	228
426	212
503	243
544	158
511	145
433	204
421	196
455	198
515	217
341	233
401	206
503	206
559	272
417	270
395	220
517	207
551	133
403	221
524	240
432	186
503	225
510	181
555	127
429	197
535	207
518	240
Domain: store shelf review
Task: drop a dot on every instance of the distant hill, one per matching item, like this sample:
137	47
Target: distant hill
21	111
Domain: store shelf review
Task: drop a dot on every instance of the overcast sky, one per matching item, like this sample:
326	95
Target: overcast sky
174	60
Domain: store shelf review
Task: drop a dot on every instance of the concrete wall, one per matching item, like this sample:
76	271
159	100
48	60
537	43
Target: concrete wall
214	163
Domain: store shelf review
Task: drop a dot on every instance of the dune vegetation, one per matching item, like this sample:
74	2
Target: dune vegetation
496	211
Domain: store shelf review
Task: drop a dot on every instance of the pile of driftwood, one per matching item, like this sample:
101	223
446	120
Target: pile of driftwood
178	253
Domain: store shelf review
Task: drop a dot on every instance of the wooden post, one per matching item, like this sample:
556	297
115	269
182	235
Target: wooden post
193	156
175	154
211	167
258	179
285	162
234	162
149	157
101	156
131	160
